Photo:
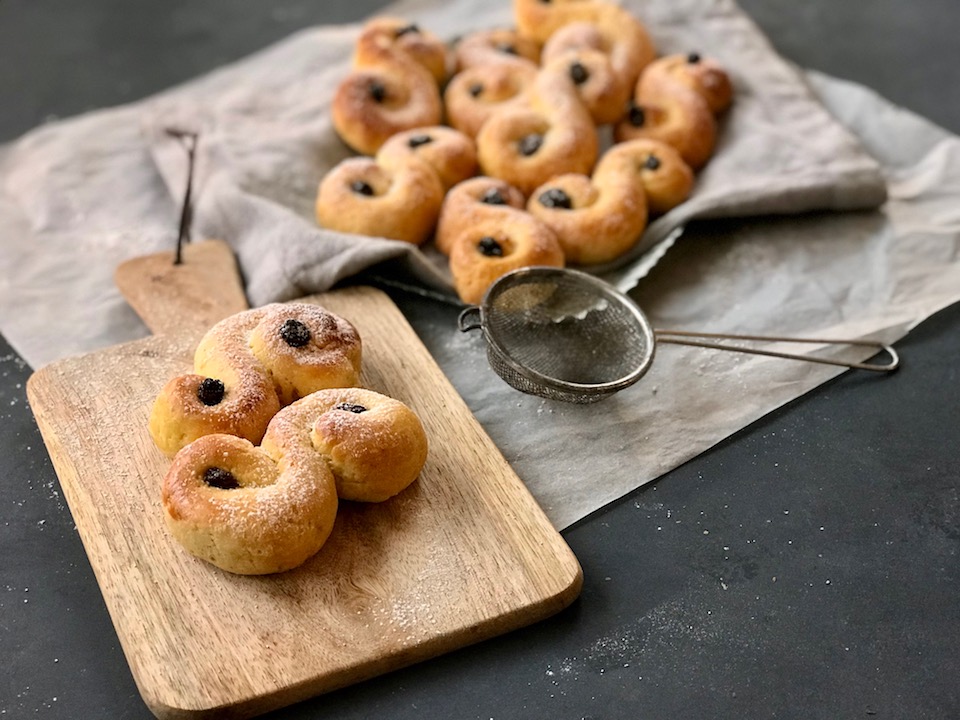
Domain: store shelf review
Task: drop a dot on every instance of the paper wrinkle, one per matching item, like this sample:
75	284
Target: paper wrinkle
79	196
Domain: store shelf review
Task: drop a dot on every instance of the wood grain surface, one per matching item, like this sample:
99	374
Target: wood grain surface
463	554
184	298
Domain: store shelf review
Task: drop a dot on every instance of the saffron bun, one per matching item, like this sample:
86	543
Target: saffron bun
602	92
397	194
495	69
491	47
394	84
487	239
563	26
673	103
666	178
375	445
251	364
258	510
470	201
237	506
474	94
597	219
550	135
452	155
399	200
705	76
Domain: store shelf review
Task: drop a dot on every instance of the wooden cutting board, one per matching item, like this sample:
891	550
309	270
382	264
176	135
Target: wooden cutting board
464	554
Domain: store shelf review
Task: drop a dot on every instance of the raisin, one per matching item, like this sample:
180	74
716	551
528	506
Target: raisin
220	478
493	196
361	188
350	407
529	144
490	247
579	73
378	91
555	198
418	140
210	391
294	333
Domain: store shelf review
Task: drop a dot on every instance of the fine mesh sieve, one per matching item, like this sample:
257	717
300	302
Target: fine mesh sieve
566	335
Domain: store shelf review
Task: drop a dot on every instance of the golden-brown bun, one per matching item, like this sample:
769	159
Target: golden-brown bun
251	364
555	135
495	69
469	202
597	219
703	75
672	103
238	507
602	92
681	120
526	243
666	179
474	94
490	47
394	85
329	359
257	510
374	445
451	154
488	240
399	200
599	27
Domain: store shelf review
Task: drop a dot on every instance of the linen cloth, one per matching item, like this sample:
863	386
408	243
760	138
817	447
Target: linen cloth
79	196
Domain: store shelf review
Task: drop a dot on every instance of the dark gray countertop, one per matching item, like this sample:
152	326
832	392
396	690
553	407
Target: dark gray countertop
829	583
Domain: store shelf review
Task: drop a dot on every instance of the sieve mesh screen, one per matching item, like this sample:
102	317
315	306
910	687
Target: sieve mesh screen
565	329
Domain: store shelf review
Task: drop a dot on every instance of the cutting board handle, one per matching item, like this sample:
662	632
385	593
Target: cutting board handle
184	298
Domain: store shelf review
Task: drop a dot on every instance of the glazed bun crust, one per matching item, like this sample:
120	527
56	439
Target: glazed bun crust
363	197
469	202
375	445
452	155
258	510
527	146
394	86
270	522
491	248
599	218
251	364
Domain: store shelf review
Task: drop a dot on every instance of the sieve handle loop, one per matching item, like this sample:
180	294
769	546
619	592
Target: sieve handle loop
470	319
703	340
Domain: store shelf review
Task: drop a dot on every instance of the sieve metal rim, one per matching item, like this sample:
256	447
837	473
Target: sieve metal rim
602	288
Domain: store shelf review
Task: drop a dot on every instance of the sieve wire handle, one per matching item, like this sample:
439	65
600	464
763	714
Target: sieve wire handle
470	319
703	340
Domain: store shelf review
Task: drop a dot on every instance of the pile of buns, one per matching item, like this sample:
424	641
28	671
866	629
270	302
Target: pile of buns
269	432
492	146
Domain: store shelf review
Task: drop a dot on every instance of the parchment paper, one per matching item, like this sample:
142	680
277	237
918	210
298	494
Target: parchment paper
79	196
